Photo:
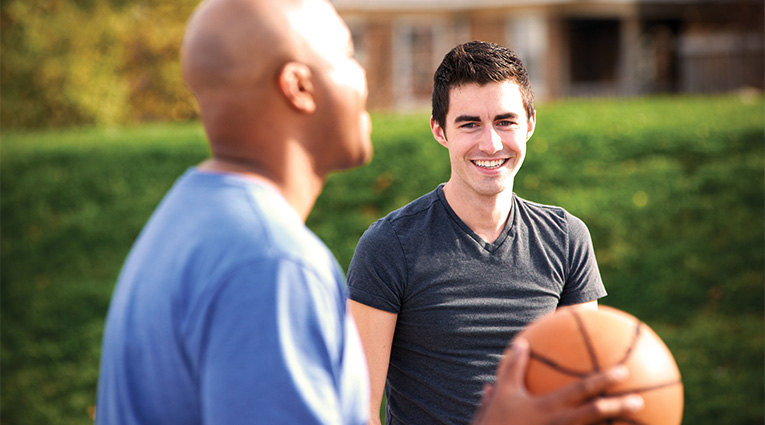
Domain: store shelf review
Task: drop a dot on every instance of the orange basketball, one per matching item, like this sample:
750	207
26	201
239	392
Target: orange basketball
574	343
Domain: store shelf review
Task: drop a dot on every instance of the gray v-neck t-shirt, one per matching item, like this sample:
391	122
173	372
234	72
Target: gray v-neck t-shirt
460	299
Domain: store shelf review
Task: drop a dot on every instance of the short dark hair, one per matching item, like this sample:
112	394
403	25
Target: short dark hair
478	62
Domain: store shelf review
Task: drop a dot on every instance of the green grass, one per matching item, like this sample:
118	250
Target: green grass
671	188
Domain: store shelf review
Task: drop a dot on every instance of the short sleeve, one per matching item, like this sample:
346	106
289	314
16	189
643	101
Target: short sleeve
270	347
377	273
583	280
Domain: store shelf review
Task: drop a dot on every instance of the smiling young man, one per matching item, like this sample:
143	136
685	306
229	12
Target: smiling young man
439	287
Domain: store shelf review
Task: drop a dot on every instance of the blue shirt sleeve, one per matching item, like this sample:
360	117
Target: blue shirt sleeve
270	346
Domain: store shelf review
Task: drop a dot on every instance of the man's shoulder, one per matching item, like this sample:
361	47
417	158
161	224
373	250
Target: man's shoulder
414	208
244	219
410	213
403	222
550	216
538	208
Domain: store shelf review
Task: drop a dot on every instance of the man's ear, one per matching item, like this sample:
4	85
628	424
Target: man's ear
297	87
532	125
438	132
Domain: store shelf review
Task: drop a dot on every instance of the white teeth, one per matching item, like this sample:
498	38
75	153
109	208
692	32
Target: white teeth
496	163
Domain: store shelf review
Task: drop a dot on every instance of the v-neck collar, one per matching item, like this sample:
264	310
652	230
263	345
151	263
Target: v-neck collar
507	231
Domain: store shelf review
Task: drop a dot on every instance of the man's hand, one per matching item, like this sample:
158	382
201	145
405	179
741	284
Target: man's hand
508	401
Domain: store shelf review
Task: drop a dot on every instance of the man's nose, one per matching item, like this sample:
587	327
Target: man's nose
491	142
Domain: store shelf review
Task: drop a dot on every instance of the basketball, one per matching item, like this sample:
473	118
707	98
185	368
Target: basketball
575	343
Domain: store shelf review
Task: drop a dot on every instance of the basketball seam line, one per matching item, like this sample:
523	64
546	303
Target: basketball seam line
587	341
577	374
645	389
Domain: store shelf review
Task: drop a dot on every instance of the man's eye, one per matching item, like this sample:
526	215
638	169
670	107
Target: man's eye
505	123
469	125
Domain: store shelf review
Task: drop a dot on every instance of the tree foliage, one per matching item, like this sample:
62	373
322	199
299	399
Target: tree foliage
92	62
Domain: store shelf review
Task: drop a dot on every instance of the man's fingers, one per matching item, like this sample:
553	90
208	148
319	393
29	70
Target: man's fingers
577	404
606	407
514	362
488	395
593	386
593	407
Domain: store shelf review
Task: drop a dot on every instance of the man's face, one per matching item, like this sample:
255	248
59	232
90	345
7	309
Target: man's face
486	133
346	126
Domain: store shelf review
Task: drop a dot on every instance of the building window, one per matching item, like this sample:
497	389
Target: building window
421	41
415	56
527	37
358	34
594	47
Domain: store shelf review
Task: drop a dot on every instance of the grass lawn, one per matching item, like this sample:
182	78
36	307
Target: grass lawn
672	189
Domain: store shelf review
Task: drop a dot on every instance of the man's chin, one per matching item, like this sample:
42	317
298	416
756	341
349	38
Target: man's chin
360	158
363	158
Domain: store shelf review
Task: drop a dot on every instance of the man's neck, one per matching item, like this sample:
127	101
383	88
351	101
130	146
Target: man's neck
300	190
485	215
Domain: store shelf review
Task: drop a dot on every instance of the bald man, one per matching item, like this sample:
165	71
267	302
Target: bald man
228	310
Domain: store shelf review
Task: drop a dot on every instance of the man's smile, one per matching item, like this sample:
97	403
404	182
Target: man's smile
489	164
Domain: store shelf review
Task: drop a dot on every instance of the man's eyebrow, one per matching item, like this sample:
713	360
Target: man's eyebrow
473	118
508	115
467	118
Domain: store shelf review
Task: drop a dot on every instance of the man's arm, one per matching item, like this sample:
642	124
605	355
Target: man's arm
376	328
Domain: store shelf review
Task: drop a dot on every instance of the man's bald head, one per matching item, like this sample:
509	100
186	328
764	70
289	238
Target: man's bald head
232	42
272	77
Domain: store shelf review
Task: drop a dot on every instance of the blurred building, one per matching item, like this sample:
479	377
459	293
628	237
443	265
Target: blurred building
572	48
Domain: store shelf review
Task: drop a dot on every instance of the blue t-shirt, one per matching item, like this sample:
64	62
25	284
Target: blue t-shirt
460	299
228	310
